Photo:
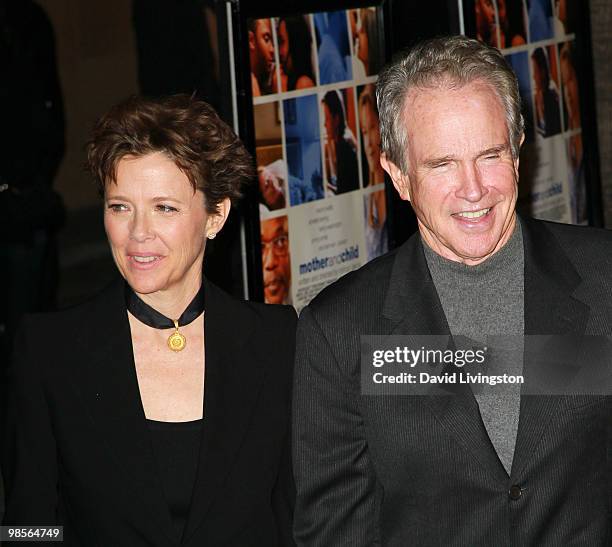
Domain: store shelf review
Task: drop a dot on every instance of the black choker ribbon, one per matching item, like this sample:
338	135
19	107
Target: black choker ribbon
152	318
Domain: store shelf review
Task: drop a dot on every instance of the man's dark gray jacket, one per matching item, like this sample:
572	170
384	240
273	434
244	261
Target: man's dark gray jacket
400	470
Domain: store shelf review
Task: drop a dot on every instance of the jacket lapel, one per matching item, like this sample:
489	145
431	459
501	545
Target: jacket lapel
413	308
112	393
233	378
550	309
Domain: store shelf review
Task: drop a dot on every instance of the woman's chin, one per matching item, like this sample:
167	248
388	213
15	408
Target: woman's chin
144	285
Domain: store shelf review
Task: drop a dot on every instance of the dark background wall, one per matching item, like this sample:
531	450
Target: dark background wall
97	64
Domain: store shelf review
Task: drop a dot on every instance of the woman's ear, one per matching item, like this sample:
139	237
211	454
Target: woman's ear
215	221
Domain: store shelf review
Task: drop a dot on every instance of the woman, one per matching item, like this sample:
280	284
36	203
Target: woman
373	172
157	413
368	55
295	53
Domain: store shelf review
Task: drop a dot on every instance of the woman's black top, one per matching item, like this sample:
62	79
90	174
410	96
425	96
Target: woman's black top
77	449
176	446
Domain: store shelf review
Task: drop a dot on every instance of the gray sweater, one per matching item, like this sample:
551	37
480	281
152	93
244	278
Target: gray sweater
481	302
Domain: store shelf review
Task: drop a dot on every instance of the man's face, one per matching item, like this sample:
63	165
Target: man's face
461	179
270	188
371	134
364	43
262	48
275	260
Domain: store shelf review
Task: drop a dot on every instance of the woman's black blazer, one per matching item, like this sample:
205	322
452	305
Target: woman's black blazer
76	449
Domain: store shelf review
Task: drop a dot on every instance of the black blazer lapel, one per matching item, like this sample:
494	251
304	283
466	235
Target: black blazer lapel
111	392
413	307
550	309
233	378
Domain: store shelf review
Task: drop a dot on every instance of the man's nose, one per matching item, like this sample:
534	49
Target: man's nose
268	259
470	184
141	227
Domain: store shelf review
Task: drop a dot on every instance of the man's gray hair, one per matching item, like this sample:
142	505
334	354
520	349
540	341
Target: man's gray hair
452	61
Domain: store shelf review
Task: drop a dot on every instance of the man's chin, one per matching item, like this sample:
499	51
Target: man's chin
476	252
276	296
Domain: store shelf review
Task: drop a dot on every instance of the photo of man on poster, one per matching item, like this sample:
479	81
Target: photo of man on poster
340	145
275	260
262	57
271	166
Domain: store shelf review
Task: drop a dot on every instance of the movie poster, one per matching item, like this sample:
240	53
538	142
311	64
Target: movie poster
321	188
537	37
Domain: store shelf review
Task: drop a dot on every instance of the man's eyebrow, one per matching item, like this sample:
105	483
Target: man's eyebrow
494	150
434	162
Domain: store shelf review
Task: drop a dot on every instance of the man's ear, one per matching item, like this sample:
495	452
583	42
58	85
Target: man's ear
251	40
400	180
215	221
516	160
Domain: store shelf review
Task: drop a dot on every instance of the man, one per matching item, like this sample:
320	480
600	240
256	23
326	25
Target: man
455	469
275	260
340	146
271	191
261	56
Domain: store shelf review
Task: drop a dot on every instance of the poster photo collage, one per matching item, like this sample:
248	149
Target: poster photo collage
537	38
317	143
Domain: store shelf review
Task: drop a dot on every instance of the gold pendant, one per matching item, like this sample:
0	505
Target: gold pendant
176	341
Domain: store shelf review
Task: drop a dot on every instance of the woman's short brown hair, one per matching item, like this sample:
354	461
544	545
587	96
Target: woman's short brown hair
187	130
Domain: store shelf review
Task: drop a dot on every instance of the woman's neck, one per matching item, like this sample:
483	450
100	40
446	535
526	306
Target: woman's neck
173	301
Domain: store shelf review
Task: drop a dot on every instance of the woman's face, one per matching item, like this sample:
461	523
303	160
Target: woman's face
371	135
283	47
364	43
156	224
